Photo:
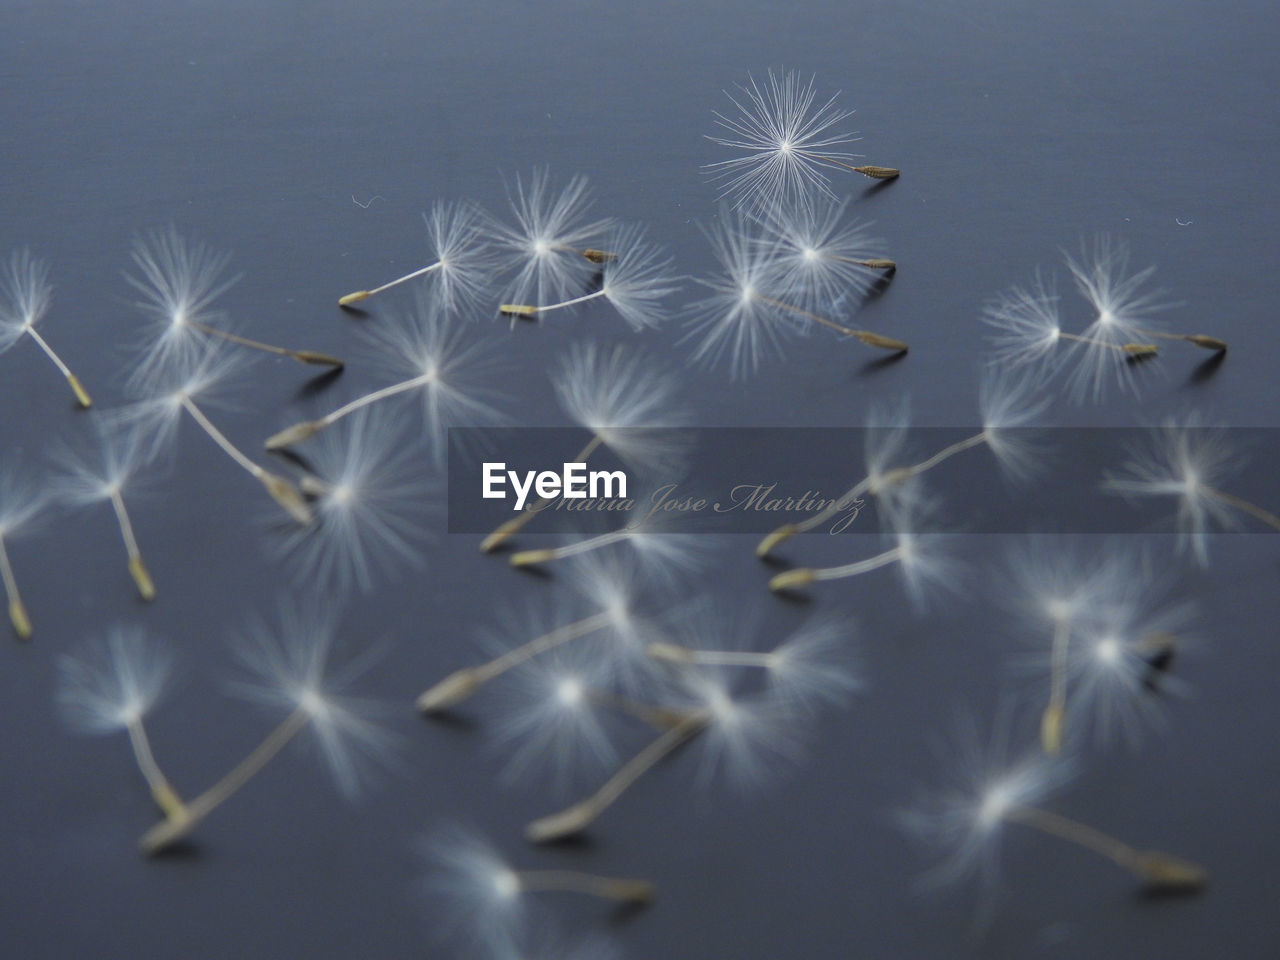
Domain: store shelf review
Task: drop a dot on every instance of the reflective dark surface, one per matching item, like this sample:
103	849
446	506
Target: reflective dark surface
308	138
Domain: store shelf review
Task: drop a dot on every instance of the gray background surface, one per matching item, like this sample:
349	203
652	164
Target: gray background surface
1020	128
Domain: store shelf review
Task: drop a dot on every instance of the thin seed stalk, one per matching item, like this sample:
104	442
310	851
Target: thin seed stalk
166	798
280	489
137	569
170	831
529	310
82	395
305	429
803	576
17	609
1157	869
1202	340
525	558
865	336
359	295
662	718
1252	509
575	819
618	889
1051	722
302	356
1136	350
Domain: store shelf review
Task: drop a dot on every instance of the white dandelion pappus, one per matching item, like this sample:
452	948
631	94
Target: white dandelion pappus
113	680
1027	322
179	281
109	686
788	138
627	399
819	263
550	720
1189	461
550	239
485	895
103	475
1123	318
736	322
175	391
25	297
370	500
965	818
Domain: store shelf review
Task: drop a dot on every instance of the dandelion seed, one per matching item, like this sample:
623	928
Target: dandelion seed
789	143
486	895
25	295
457	233
609	590
176	391
635	281
110	685
103	476
179	282
291	671
369	503
968	817
442	362
1122	313
738	733
550	239
550	718
626	399
819	262
20	504
1069	596
743	319
1188	461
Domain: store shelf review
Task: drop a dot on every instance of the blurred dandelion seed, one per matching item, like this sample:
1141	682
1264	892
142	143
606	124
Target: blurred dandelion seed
486	894
989	791
291	664
25	296
176	393
20	505
110	685
1188	460
104	475
369	503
